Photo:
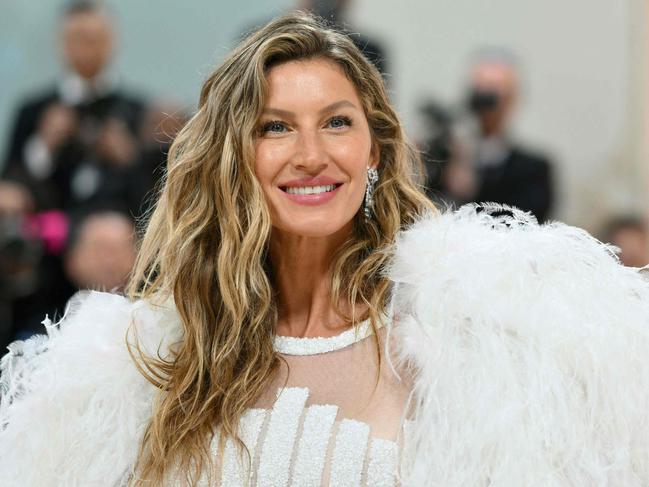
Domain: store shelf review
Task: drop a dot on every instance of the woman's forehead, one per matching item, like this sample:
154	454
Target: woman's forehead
306	83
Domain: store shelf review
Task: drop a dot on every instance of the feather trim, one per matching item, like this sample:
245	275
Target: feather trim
74	407
529	347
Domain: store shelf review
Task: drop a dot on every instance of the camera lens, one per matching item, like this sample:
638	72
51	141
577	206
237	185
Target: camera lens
482	101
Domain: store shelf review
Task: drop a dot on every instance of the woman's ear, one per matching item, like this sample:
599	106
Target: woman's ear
375	156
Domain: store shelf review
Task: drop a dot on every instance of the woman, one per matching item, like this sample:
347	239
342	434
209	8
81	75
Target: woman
254	349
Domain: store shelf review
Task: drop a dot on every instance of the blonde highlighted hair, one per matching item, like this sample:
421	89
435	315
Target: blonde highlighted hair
206	244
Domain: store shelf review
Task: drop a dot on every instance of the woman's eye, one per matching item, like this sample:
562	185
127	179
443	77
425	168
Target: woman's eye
339	122
274	127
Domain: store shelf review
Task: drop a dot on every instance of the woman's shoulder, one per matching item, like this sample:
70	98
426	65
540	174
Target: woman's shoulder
65	394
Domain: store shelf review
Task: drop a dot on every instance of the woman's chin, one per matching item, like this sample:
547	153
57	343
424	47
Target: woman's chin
315	228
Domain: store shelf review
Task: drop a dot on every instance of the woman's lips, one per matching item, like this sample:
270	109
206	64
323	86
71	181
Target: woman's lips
312	199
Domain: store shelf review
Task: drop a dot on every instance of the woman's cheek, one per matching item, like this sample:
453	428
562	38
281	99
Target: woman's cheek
352	151
270	158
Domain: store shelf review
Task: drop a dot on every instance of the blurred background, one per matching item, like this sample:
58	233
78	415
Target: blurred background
541	105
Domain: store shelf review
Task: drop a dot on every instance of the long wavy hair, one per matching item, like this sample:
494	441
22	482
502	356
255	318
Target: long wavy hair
206	244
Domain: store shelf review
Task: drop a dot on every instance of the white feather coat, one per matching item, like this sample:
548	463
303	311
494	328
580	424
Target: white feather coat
529	346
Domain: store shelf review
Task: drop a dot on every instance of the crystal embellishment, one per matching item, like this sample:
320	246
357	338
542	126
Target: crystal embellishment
312	346
299	445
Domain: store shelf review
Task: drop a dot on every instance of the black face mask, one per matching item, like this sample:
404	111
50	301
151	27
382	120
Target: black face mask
482	101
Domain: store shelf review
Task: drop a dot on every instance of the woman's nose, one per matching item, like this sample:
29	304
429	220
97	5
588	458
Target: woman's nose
311	151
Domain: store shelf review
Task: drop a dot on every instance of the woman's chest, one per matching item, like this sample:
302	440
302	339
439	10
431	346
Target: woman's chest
298	443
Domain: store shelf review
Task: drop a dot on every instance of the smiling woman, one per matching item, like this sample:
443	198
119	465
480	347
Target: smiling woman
314	149
300	315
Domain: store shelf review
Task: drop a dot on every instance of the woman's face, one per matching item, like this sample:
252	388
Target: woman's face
313	148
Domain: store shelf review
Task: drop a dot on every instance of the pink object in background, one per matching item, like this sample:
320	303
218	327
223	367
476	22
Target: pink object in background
51	227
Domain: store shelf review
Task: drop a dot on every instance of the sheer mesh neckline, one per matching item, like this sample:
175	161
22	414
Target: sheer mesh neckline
289	345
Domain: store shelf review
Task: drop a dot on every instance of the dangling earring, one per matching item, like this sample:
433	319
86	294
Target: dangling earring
372	179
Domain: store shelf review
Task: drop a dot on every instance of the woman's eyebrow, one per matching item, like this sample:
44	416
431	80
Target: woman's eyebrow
287	113
336	105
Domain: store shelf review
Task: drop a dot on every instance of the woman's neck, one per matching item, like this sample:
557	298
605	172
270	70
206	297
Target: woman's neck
302	270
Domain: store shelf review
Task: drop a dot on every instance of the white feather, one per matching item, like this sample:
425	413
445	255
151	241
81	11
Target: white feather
530	350
74	407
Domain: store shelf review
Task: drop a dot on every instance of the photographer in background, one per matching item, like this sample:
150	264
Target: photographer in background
45	258
100	251
487	164
32	282
74	144
630	234
438	148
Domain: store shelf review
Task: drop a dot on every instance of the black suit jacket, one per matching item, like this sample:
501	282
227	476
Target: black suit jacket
523	180
54	191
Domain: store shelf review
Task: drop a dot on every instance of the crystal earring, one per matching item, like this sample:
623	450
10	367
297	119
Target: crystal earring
372	179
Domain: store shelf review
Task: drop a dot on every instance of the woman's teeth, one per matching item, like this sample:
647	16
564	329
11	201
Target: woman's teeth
310	189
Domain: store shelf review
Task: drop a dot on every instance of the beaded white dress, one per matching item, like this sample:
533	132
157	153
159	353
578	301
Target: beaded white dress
332	416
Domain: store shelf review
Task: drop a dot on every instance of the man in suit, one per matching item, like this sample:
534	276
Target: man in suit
486	163
72	144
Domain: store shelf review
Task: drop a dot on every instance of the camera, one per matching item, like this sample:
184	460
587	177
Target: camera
483	101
